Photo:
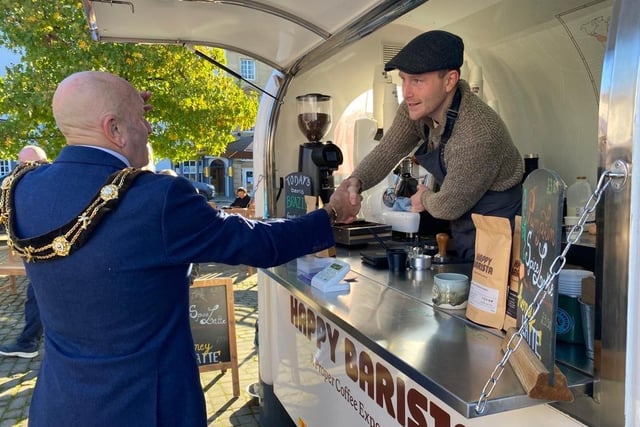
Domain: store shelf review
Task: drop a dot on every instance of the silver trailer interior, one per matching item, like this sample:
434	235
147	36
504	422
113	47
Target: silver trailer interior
563	75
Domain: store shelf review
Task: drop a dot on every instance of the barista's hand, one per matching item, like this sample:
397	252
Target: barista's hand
353	187
416	199
342	201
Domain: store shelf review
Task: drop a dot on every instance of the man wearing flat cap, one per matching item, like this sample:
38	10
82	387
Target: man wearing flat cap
461	141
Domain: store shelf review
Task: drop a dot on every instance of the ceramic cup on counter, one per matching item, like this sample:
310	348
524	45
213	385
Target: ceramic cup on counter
450	290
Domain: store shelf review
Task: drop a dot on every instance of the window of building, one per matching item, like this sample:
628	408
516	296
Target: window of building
5	167
190	169
248	69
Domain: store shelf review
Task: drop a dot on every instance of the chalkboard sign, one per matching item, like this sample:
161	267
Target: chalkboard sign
213	325
296	187
543	194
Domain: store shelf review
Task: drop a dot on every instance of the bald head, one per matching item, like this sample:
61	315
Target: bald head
102	110
31	153
83	99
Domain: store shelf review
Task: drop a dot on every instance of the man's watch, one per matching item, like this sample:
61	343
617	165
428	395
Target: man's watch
333	215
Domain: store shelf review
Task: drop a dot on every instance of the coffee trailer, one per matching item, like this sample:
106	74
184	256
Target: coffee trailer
562	74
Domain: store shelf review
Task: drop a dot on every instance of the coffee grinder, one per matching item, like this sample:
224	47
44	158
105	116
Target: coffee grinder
317	159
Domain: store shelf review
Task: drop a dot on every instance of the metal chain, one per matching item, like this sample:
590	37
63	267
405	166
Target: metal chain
258	182
554	270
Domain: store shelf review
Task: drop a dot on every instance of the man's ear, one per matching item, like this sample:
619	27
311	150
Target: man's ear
453	76
111	131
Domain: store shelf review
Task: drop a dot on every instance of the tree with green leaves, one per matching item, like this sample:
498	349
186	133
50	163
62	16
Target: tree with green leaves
197	107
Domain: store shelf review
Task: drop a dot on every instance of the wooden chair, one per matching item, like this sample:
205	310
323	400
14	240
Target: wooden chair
12	266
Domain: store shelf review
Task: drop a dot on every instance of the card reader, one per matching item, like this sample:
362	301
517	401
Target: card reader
330	278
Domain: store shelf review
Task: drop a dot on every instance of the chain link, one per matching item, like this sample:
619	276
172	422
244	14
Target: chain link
514	342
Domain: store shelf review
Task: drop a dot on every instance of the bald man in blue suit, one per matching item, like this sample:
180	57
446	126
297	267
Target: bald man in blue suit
108	249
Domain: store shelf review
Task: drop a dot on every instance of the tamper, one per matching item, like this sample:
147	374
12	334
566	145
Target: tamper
441	257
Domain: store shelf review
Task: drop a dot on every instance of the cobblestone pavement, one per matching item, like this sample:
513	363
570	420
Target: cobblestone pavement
18	376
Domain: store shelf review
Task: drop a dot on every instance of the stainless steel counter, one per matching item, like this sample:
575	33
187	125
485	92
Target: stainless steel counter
440	349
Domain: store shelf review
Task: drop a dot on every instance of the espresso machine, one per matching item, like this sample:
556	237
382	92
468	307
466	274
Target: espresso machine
317	159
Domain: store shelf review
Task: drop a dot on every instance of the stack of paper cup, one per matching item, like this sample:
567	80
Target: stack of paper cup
570	281
569	322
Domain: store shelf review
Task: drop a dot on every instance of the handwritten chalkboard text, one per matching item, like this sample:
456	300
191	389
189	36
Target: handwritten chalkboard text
298	180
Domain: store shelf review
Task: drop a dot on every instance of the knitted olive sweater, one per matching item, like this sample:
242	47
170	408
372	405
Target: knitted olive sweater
479	156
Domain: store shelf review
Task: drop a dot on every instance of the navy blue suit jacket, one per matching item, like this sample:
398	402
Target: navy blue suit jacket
118	345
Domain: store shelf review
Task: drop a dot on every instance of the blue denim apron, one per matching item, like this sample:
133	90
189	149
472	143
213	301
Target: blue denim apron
506	204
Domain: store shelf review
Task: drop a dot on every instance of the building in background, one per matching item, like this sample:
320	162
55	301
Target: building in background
233	169
240	163
6	165
251	70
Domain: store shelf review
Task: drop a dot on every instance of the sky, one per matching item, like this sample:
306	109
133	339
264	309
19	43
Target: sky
7	58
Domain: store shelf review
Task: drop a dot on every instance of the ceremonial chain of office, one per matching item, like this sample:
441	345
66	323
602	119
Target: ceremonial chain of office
71	236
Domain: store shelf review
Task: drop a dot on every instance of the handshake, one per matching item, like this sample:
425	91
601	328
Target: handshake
345	202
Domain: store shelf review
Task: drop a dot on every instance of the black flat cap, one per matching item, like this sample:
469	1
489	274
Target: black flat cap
430	51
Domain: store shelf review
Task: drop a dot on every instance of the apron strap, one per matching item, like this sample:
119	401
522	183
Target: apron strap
452	116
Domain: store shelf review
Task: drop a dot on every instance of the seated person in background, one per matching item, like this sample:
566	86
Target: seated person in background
243	199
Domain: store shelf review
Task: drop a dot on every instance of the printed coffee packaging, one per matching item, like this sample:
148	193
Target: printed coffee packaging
490	275
510	319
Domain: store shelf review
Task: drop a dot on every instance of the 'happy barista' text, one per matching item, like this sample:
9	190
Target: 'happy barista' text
408	406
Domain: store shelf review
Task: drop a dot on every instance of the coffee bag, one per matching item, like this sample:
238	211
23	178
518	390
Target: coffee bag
490	274
510	319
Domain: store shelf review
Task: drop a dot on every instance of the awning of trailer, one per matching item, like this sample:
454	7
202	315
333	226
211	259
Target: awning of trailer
275	32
